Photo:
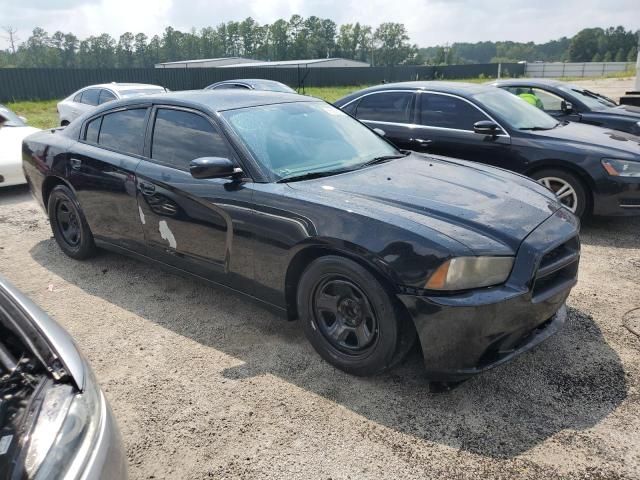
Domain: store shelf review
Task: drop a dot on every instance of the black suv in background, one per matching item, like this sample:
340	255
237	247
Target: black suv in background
591	170
576	104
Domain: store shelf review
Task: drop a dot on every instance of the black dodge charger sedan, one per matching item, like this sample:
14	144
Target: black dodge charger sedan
288	200
592	170
576	104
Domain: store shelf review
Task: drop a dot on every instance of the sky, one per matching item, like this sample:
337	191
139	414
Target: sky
429	22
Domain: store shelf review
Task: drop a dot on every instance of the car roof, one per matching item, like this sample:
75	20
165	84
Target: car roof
122	86
215	100
248	81
461	88
528	81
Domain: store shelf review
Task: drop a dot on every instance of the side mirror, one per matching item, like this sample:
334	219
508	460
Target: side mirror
566	107
486	127
380	131
213	167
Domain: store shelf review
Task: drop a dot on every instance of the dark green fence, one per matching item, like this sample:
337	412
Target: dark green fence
52	83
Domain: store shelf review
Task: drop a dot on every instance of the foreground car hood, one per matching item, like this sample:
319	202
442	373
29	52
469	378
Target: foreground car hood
480	207
629	111
599	137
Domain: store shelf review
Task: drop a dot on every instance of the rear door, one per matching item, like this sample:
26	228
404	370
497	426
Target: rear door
390	111
102	171
199	225
446	122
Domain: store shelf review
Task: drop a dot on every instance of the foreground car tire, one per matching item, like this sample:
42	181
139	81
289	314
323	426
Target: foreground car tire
70	228
350	319
567	187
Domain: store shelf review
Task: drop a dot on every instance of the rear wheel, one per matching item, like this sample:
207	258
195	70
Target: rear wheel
350	319
70	228
568	188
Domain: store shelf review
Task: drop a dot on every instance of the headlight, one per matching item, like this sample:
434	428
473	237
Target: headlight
77	436
621	168
462	273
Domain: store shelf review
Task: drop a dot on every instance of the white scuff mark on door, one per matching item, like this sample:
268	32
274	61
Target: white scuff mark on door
166	233
141	215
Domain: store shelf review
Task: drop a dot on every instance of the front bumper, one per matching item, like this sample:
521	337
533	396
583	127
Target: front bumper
464	334
617	196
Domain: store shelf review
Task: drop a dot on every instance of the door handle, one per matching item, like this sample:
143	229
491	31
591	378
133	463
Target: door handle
147	188
76	163
421	141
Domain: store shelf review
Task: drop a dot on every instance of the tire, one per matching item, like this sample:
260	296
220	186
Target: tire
351	319
64	123
576	198
69	226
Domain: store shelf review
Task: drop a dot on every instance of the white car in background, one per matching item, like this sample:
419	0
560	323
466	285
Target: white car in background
88	98
12	132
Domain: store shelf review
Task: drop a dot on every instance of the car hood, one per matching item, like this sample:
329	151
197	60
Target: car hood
596	137
486	209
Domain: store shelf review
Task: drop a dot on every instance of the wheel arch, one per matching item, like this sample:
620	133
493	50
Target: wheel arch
306	254
580	173
49	184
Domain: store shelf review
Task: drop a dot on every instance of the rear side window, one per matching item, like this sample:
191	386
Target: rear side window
445	111
106	96
179	137
386	107
124	131
90	97
227	86
93	129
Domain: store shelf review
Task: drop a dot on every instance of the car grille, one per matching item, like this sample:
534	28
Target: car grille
557	270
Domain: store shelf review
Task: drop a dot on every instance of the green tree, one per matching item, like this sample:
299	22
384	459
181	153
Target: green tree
393	46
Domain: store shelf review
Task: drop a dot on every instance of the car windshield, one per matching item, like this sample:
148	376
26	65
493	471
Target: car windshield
272	86
516	112
306	138
140	91
12	119
591	99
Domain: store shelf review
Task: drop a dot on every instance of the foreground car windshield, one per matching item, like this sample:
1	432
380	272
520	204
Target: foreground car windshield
292	139
592	100
140	91
517	113
12	119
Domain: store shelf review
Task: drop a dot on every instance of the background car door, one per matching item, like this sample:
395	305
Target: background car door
392	112
102	171
199	225
446	122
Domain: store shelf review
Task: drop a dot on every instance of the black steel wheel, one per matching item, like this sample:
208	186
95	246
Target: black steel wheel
70	228
350	318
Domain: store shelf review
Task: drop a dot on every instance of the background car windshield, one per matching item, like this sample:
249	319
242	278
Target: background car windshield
12	119
272	86
593	101
516	112
140	91
298	138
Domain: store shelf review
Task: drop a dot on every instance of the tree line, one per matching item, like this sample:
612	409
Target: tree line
296	38
613	44
299	38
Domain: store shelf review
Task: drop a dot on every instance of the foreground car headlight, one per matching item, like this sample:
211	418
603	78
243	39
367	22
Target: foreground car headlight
462	273
621	168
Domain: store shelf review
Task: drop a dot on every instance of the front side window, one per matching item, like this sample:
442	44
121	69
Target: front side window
445	111
516	113
393	107
124	131
106	96
91	96
300	138
180	137
538	97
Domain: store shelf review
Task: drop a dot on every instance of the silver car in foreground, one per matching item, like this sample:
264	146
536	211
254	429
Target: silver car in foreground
88	98
54	419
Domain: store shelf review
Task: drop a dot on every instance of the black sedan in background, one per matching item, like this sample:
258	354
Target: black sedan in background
54	419
590	169
576	104
292	202
251	84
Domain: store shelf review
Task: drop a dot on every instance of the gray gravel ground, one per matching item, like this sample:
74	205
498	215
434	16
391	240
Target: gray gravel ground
205	385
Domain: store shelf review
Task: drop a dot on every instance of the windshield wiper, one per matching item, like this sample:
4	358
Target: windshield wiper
381	159
312	175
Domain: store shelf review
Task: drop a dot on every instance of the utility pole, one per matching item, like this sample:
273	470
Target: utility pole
11	37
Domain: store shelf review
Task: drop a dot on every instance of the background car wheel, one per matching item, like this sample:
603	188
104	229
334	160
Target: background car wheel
69	226
350	319
569	190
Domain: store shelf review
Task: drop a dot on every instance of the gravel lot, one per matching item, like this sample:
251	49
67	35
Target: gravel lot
205	385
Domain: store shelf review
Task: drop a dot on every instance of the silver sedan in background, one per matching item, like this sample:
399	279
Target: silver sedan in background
54	419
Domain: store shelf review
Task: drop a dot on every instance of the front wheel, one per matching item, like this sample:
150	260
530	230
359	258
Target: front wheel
350	318
568	189
70	228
